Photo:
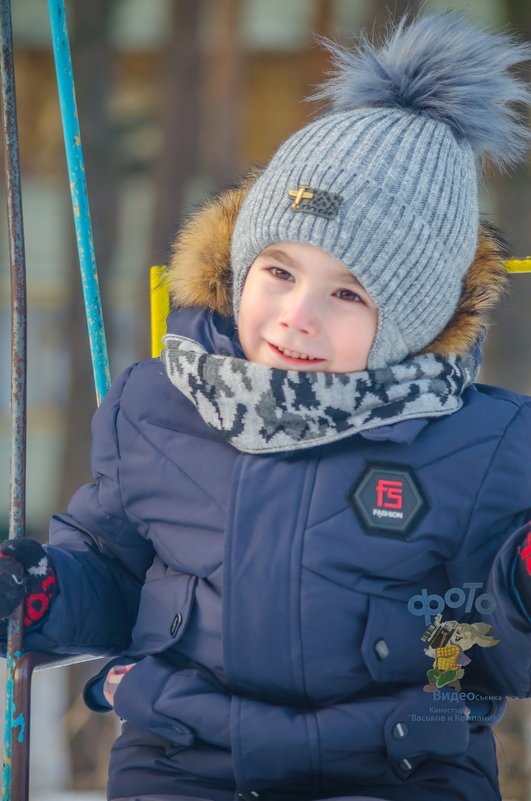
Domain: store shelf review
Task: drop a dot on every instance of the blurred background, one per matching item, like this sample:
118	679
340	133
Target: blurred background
176	98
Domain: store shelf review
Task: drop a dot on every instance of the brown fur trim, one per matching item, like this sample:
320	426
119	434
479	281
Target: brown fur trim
199	272
483	286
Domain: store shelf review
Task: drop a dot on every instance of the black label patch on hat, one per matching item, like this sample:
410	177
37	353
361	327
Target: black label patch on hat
389	500
315	201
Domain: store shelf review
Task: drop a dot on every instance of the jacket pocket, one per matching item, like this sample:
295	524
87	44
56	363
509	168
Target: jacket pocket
392	648
165	608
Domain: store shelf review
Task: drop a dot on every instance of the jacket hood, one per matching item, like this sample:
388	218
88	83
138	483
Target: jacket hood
199	273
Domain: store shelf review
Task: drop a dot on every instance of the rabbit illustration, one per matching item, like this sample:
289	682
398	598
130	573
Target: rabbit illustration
447	642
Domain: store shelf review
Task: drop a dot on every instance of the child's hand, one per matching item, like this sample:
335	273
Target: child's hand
114	677
27	571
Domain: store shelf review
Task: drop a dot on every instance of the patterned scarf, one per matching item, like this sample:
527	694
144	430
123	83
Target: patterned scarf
262	409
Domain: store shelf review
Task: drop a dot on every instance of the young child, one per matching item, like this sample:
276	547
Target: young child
308	498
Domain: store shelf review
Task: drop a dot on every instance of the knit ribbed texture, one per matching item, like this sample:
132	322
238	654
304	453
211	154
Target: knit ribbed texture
407	227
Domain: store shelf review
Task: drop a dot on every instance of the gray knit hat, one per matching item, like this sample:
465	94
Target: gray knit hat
387	182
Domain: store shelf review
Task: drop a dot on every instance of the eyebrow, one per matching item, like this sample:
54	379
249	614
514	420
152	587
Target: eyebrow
277	253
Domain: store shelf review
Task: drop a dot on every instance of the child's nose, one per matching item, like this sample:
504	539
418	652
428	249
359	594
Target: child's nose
299	312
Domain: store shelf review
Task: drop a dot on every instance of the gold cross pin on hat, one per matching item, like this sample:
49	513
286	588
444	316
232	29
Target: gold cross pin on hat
299	195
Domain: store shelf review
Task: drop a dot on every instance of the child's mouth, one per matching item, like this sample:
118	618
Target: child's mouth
306	360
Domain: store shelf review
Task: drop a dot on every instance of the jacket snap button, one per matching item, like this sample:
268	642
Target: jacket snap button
252	795
405	764
177	620
381	649
399	731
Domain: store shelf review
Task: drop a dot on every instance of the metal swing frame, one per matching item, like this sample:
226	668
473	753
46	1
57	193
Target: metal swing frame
20	666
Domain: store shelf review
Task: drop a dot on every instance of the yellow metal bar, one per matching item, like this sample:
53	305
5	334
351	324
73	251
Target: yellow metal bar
518	265
160	299
160	307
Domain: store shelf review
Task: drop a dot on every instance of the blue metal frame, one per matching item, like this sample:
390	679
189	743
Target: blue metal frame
16	740
78	190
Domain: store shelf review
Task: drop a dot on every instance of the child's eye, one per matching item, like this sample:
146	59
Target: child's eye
346	294
278	272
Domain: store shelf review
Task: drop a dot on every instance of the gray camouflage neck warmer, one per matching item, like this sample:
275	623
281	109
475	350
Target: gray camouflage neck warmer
262	409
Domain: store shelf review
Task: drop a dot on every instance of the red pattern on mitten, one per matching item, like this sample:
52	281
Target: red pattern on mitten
525	553
37	584
522	573
38	602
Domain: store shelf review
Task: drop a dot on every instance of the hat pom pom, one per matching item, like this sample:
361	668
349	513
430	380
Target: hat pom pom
446	68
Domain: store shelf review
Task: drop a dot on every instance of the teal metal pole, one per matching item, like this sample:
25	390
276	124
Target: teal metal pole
78	190
15	733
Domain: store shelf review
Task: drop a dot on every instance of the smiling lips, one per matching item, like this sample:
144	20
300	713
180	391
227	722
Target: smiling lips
293	355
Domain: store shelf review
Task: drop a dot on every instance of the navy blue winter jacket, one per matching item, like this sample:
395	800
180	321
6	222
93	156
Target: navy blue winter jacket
260	571
269	617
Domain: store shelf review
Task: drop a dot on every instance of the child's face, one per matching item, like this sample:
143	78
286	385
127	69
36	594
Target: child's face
298	298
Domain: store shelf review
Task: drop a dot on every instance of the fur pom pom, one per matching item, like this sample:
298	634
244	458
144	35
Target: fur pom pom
447	68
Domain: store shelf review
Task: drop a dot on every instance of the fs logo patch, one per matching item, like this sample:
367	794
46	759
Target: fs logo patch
389	500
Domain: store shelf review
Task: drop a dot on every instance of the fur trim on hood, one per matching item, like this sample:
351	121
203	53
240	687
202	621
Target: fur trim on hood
199	273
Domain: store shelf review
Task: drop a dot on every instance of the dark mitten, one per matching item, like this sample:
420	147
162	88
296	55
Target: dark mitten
37	581
12	585
522	573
